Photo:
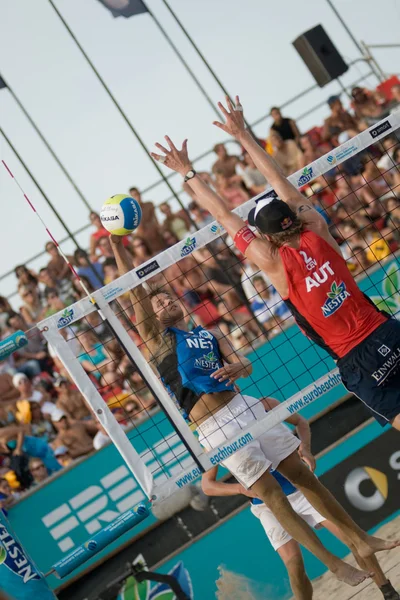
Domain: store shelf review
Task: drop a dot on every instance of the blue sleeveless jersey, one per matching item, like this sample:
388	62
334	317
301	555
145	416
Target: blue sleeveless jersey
198	357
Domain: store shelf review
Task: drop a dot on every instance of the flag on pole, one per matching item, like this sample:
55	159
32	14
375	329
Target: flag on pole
125	8
2	83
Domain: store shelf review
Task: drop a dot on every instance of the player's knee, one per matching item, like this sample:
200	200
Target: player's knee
295	470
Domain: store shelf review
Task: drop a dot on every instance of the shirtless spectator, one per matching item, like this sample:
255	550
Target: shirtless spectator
57	267
286	153
339	120
287	128
71	402
226	163
368	105
149	228
76	437
8	393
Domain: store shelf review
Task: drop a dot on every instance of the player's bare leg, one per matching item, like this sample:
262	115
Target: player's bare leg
269	491
292	558
323	501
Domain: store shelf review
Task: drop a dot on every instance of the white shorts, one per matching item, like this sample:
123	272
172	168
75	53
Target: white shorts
274	530
258	455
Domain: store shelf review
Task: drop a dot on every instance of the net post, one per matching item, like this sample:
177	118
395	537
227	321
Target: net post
157	389
100	409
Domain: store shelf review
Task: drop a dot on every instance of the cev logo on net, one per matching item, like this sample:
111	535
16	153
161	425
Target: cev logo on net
98	504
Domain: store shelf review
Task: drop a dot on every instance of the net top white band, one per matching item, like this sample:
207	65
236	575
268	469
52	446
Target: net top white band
211	232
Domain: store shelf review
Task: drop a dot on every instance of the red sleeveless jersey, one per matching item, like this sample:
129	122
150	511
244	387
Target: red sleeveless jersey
324	298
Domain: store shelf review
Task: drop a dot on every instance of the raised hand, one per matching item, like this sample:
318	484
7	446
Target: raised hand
174	159
235	124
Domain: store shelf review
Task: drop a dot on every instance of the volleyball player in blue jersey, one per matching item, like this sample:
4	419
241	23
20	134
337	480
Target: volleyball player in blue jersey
287	548
200	367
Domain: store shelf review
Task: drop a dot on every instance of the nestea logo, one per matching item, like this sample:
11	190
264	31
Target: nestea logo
189	246
306	176
336	297
66	318
14	558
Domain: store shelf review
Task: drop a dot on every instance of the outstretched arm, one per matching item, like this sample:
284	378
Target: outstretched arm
235	126
146	320
178	160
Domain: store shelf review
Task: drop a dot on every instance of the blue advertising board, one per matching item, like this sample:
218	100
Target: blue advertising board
77	503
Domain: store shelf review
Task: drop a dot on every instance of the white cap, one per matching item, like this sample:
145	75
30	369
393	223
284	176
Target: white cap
18	378
57	415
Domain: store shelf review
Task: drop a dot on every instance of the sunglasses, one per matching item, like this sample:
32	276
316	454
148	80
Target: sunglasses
33	469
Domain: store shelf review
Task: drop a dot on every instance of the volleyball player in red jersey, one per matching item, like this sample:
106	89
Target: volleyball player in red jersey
305	265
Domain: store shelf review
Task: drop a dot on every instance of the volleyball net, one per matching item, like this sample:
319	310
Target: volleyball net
97	340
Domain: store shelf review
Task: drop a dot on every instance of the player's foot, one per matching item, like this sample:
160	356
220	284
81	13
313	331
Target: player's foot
350	575
374	544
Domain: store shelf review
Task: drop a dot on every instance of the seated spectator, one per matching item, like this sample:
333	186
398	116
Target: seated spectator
39	426
14	442
71	402
96	235
268	306
310	151
199	215
32	359
7	497
64	288
105	249
76	437
254	181
368	105
396	173
93	272
38	470
392	218
110	270
286	128
32	308
57	267
233	193
249	269
286	153
30	394
170	238
8	392
338	121
226	163
54	302
78	290
358	262
5	310
63	456
141	250
149	228
25	276
177	223
94	356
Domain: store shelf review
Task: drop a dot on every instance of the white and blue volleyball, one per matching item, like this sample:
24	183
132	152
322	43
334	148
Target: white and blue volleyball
121	214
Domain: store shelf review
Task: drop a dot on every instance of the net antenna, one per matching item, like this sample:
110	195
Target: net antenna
191	459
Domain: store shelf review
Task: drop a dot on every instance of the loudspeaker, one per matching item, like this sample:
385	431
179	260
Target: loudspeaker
320	55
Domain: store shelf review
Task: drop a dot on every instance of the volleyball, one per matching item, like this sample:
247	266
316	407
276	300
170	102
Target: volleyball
120	214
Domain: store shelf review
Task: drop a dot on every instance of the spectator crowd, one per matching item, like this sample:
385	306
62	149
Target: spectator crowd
45	424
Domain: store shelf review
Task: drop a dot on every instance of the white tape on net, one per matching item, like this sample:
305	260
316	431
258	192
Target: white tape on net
211	232
282	412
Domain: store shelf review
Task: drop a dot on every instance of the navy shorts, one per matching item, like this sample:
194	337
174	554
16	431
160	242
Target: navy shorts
371	371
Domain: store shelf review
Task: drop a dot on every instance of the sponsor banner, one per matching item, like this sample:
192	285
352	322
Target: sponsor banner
342	153
383	127
19	577
367	483
148	268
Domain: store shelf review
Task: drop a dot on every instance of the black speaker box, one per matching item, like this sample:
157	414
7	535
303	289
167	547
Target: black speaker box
320	55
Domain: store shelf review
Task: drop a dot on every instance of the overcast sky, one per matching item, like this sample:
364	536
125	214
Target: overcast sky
248	43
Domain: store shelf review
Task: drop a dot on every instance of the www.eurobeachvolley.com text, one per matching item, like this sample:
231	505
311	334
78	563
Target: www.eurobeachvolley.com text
220	454
318	390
